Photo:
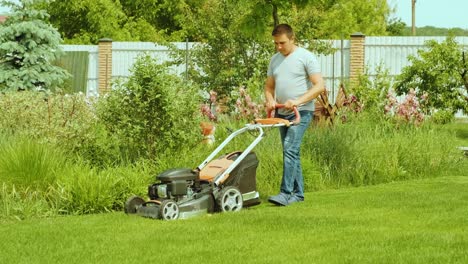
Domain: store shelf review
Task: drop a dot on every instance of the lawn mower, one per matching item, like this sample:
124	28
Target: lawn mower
225	184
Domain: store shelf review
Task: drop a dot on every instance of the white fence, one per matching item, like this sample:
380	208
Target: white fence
390	52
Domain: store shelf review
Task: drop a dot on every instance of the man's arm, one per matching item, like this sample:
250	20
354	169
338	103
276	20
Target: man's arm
318	87
270	94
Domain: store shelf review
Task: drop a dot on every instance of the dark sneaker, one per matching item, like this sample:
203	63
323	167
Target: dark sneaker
281	199
294	199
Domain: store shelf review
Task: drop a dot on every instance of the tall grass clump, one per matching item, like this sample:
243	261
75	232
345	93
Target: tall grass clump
22	203
27	163
365	151
77	189
84	190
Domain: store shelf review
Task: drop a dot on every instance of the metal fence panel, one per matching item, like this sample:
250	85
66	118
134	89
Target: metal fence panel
92	83
392	52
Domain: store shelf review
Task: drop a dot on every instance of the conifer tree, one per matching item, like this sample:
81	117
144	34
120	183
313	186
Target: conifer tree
28	48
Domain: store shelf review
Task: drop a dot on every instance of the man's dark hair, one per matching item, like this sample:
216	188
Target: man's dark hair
283	29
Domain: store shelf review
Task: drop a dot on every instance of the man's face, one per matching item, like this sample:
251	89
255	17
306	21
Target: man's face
283	44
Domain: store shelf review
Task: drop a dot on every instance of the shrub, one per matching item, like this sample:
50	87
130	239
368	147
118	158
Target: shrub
369	95
442	117
78	188
21	204
59	119
151	112
371	91
439	70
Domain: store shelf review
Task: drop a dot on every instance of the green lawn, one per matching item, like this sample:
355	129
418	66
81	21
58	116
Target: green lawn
422	221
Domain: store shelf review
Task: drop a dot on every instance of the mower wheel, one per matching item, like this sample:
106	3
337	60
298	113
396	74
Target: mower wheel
230	199
169	210
132	204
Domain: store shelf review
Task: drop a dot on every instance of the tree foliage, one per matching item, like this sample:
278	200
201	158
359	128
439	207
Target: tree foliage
87	21
319	19
226	58
28	48
340	18
434	31
396	27
441	70
165	16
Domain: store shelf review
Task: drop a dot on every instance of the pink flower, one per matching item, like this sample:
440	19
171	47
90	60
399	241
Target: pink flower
213	95
241	91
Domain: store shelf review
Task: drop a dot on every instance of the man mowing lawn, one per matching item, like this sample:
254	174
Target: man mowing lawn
293	79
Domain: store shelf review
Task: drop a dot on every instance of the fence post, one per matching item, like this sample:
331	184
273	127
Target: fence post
104	65
357	57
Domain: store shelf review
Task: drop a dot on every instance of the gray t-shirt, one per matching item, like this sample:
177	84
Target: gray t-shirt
291	76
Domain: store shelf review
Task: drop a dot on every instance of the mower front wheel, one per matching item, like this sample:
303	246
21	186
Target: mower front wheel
230	199
132	204
169	210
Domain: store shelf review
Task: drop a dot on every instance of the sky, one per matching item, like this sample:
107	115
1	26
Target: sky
436	13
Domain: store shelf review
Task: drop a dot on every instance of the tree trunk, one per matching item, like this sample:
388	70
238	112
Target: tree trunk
465	72
275	15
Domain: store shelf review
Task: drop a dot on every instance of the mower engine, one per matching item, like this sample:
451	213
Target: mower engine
175	184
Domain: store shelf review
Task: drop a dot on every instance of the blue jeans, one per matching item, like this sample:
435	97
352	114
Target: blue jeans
292	182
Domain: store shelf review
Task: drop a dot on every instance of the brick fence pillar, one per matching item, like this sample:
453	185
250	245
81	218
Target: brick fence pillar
104	65
356	66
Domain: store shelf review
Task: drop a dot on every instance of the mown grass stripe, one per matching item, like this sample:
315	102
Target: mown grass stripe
419	221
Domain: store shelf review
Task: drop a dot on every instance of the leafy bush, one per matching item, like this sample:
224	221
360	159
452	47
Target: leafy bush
77	188
371	91
151	112
440	70
442	117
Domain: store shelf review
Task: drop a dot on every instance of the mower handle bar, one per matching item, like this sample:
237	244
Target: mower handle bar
296	112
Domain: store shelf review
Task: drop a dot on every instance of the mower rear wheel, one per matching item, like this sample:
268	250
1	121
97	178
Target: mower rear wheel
169	210
132	204
230	199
